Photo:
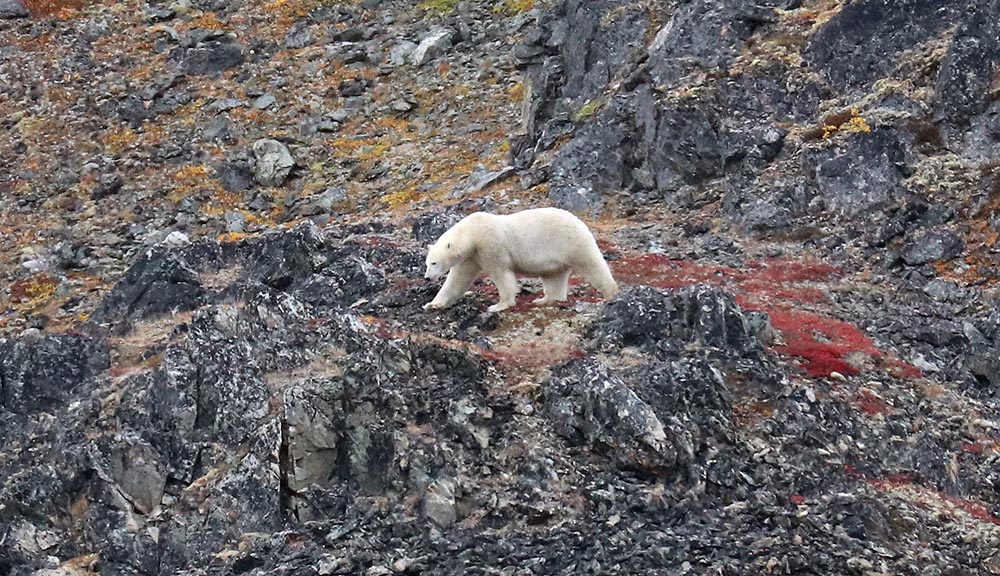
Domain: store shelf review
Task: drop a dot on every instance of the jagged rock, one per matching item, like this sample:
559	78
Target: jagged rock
439	502
670	320
264	101
234	176
704	35
108	185
859	44
865	175
158	283
13	9
176	239
274	162
670	418
401	52
431	46
299	35
39	373
428	228
212	57
933	245
607	412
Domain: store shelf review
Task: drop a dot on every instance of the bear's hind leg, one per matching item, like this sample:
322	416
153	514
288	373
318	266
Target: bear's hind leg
460	277
598	274
556	288
506	283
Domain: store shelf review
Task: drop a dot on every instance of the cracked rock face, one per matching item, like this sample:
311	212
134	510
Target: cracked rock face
214	358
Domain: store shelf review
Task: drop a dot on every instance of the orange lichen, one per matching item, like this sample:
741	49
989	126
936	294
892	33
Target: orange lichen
60	9
118	140
34	291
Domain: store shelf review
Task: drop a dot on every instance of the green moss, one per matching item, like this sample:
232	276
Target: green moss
588	109
439	6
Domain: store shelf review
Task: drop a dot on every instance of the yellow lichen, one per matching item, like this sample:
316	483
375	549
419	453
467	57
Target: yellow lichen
588	109
849	122
33	292
439	6
513	6
231	237
516	92
119	140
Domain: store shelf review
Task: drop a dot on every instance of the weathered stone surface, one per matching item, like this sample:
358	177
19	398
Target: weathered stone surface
159	283
274	162
932	246
858	45
431	46
12	9
864	175
39	373
212	57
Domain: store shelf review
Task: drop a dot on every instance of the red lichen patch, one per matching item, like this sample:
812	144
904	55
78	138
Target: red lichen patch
757	290
797	499
974	509
893	481
782	270
662	271
823	343
869	403
980	445
532	355
779	287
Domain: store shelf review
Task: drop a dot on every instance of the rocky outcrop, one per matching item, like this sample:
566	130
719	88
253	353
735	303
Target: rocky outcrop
214	357
693	104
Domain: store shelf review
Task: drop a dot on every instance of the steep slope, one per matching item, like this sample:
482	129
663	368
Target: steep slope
215	359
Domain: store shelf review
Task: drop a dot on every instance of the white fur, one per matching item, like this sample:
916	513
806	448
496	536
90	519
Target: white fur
546	242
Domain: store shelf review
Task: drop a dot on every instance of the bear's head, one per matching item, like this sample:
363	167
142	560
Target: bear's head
441	257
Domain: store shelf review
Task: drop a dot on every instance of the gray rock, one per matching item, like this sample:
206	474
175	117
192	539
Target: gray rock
274	162
176	239
477	182
13	9
108	185
236	222
401	105
42	372
944	290
439	502
933	245
212	57
159	13
662	320
431	46
234	176
300	35
223	104
220	129
863	175
264	101
400	53
859	44
429	227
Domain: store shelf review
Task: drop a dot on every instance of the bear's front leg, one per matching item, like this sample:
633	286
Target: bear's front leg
460	277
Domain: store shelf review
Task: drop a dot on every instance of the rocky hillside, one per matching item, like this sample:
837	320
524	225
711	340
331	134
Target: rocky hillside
213	357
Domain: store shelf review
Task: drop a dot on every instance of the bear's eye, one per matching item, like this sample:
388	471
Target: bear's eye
434	263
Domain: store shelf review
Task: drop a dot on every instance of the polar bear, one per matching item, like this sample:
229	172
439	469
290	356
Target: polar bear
546	242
